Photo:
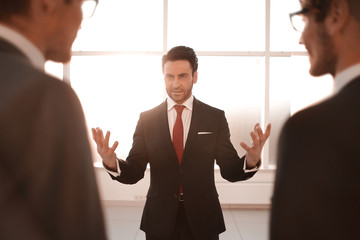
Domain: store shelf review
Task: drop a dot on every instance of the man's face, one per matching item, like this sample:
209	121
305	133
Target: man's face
319	44
179	80
65	24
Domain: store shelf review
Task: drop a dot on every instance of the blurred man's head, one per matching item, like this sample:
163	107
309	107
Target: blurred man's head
51	25
326	33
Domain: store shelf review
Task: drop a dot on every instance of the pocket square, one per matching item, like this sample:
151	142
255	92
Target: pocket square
205	133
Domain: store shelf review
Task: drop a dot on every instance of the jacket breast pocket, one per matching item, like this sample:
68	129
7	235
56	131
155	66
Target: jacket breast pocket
205	133
205	142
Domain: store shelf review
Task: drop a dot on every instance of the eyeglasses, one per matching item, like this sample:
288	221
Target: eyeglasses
88	8
297	19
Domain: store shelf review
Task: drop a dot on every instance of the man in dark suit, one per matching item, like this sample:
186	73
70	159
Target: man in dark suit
182	201
47	181
316	193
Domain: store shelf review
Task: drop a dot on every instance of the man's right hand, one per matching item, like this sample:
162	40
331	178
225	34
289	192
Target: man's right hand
107	153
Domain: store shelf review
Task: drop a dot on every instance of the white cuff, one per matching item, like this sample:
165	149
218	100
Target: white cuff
115	174
254	169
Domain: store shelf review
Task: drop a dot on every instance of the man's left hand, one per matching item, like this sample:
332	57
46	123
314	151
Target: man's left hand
253	152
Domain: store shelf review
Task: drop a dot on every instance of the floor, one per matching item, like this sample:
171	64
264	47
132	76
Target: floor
241	224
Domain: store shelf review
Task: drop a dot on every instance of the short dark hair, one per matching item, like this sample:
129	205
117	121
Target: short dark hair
9	8
324	5
13	7
181	53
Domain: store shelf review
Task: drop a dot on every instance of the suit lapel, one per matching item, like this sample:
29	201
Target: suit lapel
194	127
165	133
9	48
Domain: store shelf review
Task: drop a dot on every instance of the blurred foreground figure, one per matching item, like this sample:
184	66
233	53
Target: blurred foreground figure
47	182
316	194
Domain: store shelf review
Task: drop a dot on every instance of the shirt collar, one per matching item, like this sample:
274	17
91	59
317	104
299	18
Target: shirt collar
188	103
346	76
24	45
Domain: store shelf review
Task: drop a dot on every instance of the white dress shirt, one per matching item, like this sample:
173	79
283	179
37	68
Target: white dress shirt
346	76
24	45
185	116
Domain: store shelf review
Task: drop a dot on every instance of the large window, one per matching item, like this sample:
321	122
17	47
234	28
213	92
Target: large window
250	63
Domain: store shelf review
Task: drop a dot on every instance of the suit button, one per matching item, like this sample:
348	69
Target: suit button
181	171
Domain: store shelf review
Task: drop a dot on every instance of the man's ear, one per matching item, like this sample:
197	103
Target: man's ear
195	77
338	16
48	6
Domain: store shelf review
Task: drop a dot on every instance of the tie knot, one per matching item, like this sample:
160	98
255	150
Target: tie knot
179	108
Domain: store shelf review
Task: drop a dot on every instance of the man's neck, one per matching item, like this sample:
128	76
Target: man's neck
27	47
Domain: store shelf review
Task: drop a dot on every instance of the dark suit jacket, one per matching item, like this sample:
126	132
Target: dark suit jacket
47	181
317	187
152	144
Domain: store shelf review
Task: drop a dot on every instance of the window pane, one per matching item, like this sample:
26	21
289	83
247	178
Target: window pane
55	69
282	36
129	25
114	90
292	88
235	85
214	25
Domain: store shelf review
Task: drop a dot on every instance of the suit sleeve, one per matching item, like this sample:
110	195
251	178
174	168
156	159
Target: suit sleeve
231	165
132	170
78	190
15	212
50	166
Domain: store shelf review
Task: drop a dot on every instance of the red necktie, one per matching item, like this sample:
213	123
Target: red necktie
178	135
